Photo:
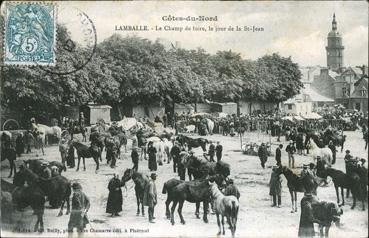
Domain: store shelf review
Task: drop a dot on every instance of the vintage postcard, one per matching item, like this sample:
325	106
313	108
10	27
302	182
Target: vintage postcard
184	118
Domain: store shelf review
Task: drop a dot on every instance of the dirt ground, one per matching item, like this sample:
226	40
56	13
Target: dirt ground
256	216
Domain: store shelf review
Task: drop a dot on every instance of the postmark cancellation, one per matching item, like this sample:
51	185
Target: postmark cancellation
30	33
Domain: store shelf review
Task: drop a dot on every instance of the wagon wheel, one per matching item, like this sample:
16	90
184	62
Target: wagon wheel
14	125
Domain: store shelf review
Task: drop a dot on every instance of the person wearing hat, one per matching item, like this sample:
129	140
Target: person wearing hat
218	151
334	151
150	197
174	153
80	206
152	157
115	198
263	155
291	150
278	155
231	189
211	151
275	187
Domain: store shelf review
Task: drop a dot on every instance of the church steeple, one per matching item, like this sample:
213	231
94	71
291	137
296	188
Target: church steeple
334	48
334	23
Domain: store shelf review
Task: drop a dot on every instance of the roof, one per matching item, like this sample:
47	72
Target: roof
98	106
332	74
315	96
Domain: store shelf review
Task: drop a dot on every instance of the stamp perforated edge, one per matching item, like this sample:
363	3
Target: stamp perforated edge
28	64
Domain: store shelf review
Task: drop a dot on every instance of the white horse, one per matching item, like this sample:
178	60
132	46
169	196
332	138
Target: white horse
226	206
325	153
47	130
162	147
210	125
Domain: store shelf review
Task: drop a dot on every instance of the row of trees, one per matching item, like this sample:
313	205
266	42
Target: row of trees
136	70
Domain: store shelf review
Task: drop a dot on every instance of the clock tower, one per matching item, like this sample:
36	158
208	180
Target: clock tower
334	48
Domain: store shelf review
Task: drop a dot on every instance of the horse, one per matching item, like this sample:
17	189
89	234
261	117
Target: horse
325	154
49	131
167	189
8	151
337	139
326	213
199	168
210	125
297	184
194	191
33	196
192	143
141	181
57	189
226	206
348	181
61	166
83	151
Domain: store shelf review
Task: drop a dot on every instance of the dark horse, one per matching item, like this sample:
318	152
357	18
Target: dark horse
83	151
349	181
326	213
140	181
323	140
297	184
57	189
194	191
8	152
192	143
33	196
199	168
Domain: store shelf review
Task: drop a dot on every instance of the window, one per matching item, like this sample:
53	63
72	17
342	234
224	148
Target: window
363	92
357	106
289	106
344	92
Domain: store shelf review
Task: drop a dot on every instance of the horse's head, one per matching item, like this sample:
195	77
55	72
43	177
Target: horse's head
19	178
335	213
216	180
127	175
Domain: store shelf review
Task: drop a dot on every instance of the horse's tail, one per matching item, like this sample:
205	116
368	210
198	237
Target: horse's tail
164	191
234	214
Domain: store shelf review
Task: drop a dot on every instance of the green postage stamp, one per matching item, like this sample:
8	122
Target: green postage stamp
30	32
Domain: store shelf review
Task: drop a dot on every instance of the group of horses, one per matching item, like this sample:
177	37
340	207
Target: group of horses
30	189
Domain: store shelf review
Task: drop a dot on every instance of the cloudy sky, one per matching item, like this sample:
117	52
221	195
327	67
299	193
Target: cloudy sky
296	29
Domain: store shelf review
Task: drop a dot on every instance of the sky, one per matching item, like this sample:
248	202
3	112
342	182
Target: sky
296	29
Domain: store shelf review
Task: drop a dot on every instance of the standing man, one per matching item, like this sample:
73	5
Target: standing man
334	151
291	150
150	197
275	187
134	156
219	151
152	157
80	206
28	139
278	154
211	152
174	152
263	155
299	143
115	198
